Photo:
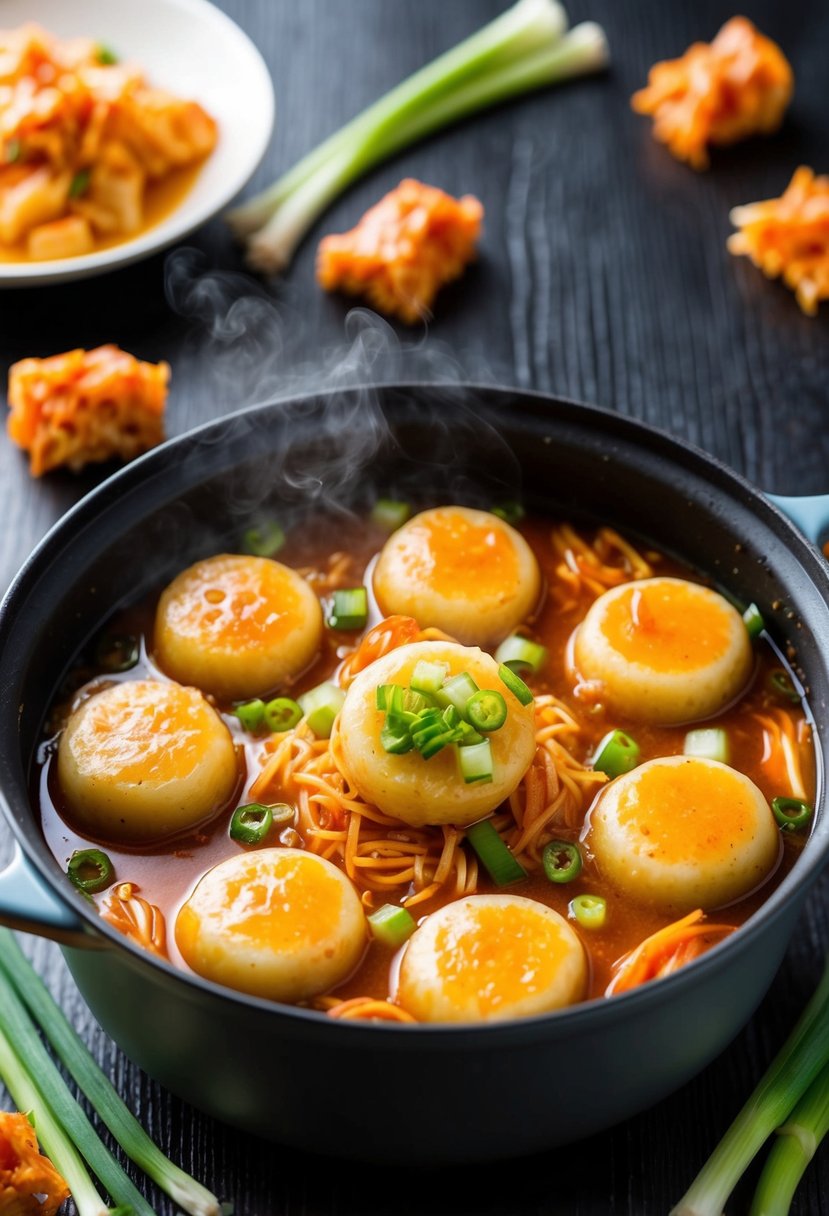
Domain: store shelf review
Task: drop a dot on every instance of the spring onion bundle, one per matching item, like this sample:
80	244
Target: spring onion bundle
792	1098
62	1127
526	48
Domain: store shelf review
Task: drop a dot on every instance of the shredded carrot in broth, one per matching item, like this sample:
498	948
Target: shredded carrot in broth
788	237
717	93
136	918
364	1009
783	740
666	951
593	569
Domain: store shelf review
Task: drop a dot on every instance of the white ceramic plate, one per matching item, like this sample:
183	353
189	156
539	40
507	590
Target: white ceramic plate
192	49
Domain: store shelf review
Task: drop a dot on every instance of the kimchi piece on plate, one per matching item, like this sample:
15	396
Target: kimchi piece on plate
403	250
86	406
84	141
717	93
29	1183
788	237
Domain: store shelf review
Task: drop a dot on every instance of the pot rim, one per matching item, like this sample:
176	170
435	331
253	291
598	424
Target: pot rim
137	475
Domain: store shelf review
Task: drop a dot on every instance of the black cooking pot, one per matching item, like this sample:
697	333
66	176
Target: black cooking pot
430	1093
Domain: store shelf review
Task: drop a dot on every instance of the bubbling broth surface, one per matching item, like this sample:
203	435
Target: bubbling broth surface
427	868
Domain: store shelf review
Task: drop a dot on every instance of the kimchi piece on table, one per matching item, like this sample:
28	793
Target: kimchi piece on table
85	141
86	406
717	93
403	250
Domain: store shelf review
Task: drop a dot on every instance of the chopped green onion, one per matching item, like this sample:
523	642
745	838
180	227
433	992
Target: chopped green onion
282	713
781	685
250	824
91	871
510	512
791	813
589	910
754	622
389	514
30	989
251	714
79	184
476	762
520	654
105	55
561	860
321	706
391	925
13	151
493	854
118	651
801	1058
524	48
708	743
349	609
457	692
617	753
396	742
264	541
431	747
282	813
486	710
428	677
515	684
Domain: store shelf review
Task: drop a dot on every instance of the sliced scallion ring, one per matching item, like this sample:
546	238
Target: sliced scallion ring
250	824
791	813
561	860
251	714
349	609
781	685
428	677
321	706
390	514
91	870
707	743
617	753
754	622
486	710
391	925
265	540
589	910
521	654
282	713
456	691
493	854
511	512
475	762
515	684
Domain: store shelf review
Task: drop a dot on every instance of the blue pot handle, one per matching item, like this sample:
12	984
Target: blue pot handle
809	511
28	904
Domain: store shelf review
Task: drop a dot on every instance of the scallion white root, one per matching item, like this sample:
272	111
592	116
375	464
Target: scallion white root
803	1056
525	48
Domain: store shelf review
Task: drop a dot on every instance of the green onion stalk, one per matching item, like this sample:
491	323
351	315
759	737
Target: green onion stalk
19	982
528	47
795	1147
803	1057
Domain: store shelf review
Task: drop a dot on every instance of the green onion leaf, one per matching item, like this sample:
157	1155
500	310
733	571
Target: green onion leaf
515	684
510	512
282	713
429	677
250	824
754	622
617	753
349	609
493	854
520	654
486	710
391	925
590	911
117	651
321	706
396	742
105	55
30	989
707	743
791	813
389	514
561	860
251	714
780	684
91	871
79	184
264	541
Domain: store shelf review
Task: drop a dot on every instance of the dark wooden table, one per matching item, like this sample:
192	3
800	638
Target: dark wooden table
603	276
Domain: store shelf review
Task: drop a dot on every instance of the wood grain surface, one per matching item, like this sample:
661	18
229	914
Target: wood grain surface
603	276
